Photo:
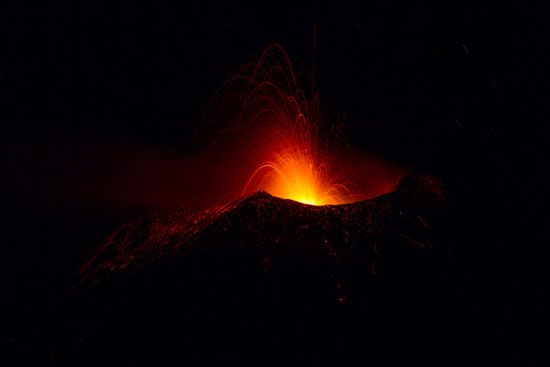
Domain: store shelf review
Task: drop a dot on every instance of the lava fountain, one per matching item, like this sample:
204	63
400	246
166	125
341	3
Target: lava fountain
281	133
273	136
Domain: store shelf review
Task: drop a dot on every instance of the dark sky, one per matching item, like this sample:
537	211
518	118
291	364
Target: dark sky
88	92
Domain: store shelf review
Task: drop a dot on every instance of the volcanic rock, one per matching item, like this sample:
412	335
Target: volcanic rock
262	280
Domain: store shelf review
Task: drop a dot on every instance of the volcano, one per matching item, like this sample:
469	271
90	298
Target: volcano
263	280
261	227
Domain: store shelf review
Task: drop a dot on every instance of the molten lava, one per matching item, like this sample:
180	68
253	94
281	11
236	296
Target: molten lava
298	170
298	177
274	138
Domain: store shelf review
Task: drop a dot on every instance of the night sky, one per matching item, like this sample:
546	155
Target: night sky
98	104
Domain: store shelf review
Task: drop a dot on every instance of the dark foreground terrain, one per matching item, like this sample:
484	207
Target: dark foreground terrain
268	281
262	281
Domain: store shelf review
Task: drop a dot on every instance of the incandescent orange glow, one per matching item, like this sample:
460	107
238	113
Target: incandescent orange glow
297	161
297	177
298	169
274	134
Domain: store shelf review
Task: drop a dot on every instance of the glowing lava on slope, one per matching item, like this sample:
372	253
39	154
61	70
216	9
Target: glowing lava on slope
281	133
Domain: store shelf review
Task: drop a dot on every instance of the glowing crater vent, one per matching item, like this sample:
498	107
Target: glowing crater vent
297	172
274	135
297	161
